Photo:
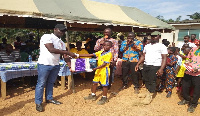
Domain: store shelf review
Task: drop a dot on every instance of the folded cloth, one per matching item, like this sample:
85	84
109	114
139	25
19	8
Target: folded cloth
189	68
80	65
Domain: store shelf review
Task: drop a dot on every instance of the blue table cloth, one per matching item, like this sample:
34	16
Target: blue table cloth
21	69
17	69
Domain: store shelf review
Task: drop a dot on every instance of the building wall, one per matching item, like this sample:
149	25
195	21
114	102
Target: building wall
168	36
187	27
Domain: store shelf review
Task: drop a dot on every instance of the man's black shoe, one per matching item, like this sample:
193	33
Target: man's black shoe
183	102
123	87
191	108
53	101
136	90
39	107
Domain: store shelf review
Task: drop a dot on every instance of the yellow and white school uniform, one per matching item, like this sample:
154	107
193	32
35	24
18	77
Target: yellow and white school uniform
102	74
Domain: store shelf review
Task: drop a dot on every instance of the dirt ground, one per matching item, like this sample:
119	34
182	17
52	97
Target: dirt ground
20	101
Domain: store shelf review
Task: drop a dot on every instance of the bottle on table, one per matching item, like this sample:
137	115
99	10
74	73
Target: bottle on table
30	58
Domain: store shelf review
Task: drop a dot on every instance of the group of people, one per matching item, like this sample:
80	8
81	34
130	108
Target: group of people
170	65
19	51
7	53
157	62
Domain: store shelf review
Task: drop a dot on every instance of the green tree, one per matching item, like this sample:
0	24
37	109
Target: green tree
196	15
170	20
178	18
161	18
11	33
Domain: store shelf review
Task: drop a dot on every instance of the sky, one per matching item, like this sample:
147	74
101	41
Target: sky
169	9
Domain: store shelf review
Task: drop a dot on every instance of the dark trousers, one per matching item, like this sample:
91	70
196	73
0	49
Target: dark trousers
130	67
110	77
149	74
187	82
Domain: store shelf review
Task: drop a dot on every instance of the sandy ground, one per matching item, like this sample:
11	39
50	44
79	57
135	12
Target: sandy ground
20	101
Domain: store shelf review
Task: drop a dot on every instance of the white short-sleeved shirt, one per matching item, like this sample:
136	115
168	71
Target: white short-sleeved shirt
45	56
153	54
180	44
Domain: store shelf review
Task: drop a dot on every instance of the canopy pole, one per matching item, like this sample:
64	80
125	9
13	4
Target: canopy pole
70	77
67	37
38	35
132	29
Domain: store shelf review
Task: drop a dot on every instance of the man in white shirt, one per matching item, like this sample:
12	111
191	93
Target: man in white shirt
186	41
154	55
51	46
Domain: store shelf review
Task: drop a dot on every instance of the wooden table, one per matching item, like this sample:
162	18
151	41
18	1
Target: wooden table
6	75
21	72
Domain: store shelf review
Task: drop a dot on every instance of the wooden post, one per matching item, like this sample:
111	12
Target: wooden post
132	29
73	86
70	77
63	82
3	89
67	37
70	81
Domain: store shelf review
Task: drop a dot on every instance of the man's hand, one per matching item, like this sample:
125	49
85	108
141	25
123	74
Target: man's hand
195	70
72	54
77	55
159	72
102	42
129	42
70	69
89	70
173	44
187	61
106	36
94	69
176	72
126	48
113	63
127	45
136	68
134	46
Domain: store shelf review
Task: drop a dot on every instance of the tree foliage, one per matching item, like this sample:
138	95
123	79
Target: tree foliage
11	33
196	15
161	18
178	18
74	36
